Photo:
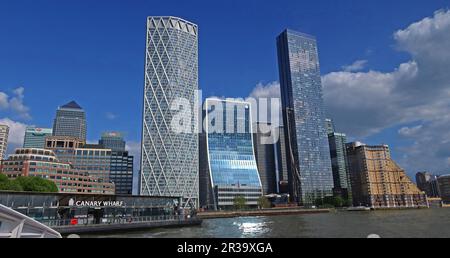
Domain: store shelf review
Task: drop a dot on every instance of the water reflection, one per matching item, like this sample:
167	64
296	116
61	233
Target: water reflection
253	227
386	224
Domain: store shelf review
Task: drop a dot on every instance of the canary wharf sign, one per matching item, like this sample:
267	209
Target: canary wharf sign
73	202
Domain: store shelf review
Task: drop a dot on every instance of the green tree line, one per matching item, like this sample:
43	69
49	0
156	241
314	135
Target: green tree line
27	184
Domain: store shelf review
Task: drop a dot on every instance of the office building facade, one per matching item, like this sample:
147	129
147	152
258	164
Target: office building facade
113	141
169	161
338	154
281	163
265	158
92	159
70	121
35	137
121	172
228	166
444	188
428	183
329	125
44	163
4	134
378	182
307	147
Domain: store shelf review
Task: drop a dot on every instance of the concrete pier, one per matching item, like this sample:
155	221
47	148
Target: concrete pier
263	212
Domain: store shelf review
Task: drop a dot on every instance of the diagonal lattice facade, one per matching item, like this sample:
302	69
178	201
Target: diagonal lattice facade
169	162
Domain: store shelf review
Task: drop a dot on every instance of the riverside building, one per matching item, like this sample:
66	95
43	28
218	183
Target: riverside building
309	165
377	181
444	188
338	154
228	167
265	158
169	161
428	183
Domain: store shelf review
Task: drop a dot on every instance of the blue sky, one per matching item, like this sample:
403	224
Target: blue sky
93	52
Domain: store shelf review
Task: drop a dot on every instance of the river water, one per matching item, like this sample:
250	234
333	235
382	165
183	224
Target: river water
433	222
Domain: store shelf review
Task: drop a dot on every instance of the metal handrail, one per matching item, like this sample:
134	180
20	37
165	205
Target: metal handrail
114	220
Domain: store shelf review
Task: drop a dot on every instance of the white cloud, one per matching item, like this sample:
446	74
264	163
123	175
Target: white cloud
270	90
134	148
15	104
410	131
3	101
364	103
358	65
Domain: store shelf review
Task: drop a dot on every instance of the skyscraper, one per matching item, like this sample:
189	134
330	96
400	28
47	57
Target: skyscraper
169	161
121	171
304	118
4	133
113	141
70	121
329	125
265	158
338	154
228	164
427	183
281	162
35	137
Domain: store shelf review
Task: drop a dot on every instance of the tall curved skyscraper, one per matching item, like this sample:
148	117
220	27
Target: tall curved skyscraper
169	161
308	152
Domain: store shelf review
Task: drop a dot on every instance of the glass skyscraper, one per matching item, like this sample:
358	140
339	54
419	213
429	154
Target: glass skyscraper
169	161
113	141
265	158
121	171
70	121
304	117
228	167
341	176
35	137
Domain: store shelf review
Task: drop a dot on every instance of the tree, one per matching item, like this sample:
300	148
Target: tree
239	202
37	184
331	201
9	185
338	201
264	203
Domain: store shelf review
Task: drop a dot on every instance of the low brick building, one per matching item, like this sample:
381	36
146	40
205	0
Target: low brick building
43	163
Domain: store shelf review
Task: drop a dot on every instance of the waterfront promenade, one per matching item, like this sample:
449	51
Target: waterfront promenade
262	212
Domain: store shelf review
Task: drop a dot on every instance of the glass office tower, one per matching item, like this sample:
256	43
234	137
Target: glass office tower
228	159
113	141
265	158
169	161
304	117
35	137
70	121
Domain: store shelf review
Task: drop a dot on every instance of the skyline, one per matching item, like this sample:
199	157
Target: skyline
341	75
